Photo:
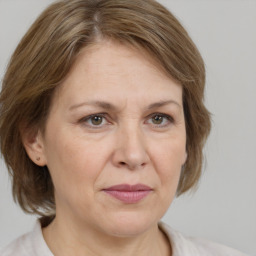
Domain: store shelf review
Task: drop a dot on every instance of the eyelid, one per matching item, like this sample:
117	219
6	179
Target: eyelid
93	115
168	116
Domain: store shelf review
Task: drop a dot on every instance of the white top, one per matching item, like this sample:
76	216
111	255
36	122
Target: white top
33	244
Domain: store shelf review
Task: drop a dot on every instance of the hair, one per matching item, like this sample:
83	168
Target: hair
45	56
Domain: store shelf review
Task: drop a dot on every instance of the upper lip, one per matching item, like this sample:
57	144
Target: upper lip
129	188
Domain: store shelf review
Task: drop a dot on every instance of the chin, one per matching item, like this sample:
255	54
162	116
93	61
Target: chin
131	224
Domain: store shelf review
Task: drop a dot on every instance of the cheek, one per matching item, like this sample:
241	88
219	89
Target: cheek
169	154
168	159
74	166
74	160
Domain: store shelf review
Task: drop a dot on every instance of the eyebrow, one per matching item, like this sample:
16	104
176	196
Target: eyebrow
101	104
109	106
163	103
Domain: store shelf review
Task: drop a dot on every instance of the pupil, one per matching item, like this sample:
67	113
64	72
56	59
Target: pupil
96	120
157	119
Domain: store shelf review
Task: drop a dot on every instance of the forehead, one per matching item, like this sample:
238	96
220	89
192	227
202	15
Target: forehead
106	69
111	53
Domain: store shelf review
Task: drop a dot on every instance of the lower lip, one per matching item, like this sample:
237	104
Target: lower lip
128	197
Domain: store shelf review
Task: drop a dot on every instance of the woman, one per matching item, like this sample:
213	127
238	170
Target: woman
102	124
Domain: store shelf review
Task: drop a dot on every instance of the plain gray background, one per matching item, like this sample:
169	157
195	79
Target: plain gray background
224	207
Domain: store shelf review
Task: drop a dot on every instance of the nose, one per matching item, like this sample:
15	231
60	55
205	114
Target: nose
130	149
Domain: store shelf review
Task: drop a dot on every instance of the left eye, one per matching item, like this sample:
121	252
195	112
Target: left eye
160	119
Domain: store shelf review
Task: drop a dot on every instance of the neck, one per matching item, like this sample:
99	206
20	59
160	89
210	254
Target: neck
66	239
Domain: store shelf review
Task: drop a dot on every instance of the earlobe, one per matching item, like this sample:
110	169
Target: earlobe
34	146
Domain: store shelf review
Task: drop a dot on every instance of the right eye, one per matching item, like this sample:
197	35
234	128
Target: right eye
95	121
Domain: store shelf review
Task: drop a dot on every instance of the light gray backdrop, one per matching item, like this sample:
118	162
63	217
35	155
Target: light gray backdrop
224	207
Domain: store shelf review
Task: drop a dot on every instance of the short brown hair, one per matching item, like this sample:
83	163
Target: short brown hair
44	57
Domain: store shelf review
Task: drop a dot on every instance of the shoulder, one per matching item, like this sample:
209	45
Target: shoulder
30	244
187	246
20	246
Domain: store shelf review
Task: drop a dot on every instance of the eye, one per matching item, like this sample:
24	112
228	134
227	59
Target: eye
160	120
95	121
157	119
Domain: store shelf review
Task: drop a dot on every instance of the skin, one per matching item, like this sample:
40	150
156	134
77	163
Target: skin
126	144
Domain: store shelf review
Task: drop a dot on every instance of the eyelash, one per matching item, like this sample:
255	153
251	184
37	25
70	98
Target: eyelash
86	119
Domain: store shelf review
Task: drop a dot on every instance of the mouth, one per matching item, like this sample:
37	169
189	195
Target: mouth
129	194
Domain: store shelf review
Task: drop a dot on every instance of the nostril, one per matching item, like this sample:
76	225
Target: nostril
131	166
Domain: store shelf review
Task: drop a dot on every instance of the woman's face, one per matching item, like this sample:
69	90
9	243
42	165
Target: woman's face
115	141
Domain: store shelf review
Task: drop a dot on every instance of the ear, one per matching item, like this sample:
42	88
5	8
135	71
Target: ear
34	145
